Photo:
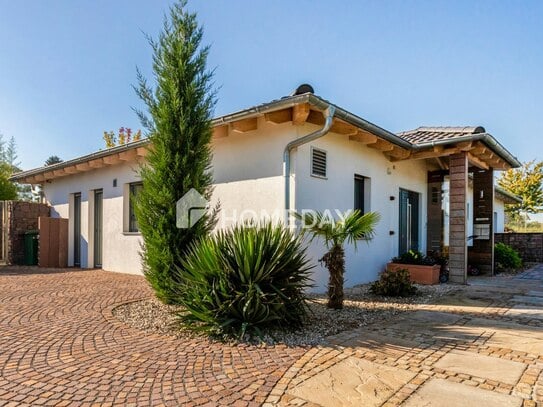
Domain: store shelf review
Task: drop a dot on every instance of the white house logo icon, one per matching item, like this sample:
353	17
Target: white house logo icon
190	208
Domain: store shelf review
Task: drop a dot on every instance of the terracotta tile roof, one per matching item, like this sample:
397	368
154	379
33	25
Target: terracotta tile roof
427	134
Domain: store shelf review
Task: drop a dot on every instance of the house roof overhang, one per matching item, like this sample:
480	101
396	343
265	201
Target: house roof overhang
506	196
297	109
483	150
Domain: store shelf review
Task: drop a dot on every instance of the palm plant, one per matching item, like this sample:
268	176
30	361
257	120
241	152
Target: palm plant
351	228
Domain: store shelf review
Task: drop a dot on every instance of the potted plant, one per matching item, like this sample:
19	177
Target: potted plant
422	269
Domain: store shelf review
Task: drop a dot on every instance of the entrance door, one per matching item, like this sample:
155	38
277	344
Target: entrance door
77	230
409	221
98	220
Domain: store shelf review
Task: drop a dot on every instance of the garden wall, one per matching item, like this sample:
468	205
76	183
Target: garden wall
19	217
529	245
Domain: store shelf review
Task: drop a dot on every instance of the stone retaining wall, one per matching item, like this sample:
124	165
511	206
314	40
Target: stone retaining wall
529	245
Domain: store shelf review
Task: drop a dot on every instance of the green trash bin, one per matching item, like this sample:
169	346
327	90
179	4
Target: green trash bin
31	248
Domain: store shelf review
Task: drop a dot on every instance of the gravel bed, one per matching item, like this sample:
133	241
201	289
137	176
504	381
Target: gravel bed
360	309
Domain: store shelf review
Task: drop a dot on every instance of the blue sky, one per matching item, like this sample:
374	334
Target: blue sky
66	67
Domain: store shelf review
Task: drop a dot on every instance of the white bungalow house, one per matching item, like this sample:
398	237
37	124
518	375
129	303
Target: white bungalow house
303	152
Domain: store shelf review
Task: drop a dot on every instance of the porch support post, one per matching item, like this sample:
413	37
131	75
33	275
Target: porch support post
458	253
482	252
434	229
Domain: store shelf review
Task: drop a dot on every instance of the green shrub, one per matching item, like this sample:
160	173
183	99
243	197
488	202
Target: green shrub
414	257
245	279
394	284
506	258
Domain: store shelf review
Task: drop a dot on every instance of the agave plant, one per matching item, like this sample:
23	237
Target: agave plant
351	228
244	279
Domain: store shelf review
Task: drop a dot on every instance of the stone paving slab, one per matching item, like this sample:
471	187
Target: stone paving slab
352	382
526	299
511	335
526	311
461	301
482	366
443	393
380	344
522	342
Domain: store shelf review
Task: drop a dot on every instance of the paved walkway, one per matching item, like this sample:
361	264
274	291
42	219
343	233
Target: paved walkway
481	345
60	345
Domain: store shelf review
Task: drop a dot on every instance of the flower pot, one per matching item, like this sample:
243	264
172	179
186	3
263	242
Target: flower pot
418	273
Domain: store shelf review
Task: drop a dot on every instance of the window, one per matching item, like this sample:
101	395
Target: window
318	163
134	190
359	193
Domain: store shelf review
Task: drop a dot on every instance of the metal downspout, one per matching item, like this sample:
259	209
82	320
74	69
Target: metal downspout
329	117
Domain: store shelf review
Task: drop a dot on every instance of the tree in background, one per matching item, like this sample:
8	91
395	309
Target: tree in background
54	159
178	121
8	190
8	165
10	155
124	136
527	183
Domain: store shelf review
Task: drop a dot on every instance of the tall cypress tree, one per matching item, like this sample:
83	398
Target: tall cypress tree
178	121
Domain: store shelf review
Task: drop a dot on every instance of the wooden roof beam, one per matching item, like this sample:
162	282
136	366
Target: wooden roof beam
128	155
245	125
479	148
363	137
477	162
97	163
142	151
59	173
421	155
112	159
300	113
441	163
218	132
398	153
83	167
279	116
341	127
381	145
465	146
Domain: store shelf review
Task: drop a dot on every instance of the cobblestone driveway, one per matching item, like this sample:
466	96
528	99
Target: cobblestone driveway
60	345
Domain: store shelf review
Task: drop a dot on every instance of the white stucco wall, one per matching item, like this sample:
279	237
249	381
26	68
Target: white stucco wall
499	216
120	250
345	159
249	182
248	174
248	177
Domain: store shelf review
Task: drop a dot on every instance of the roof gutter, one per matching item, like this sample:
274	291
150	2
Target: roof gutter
484	137
93	156
328	120
507	194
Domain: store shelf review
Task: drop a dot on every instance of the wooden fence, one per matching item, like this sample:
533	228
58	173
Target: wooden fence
53	244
